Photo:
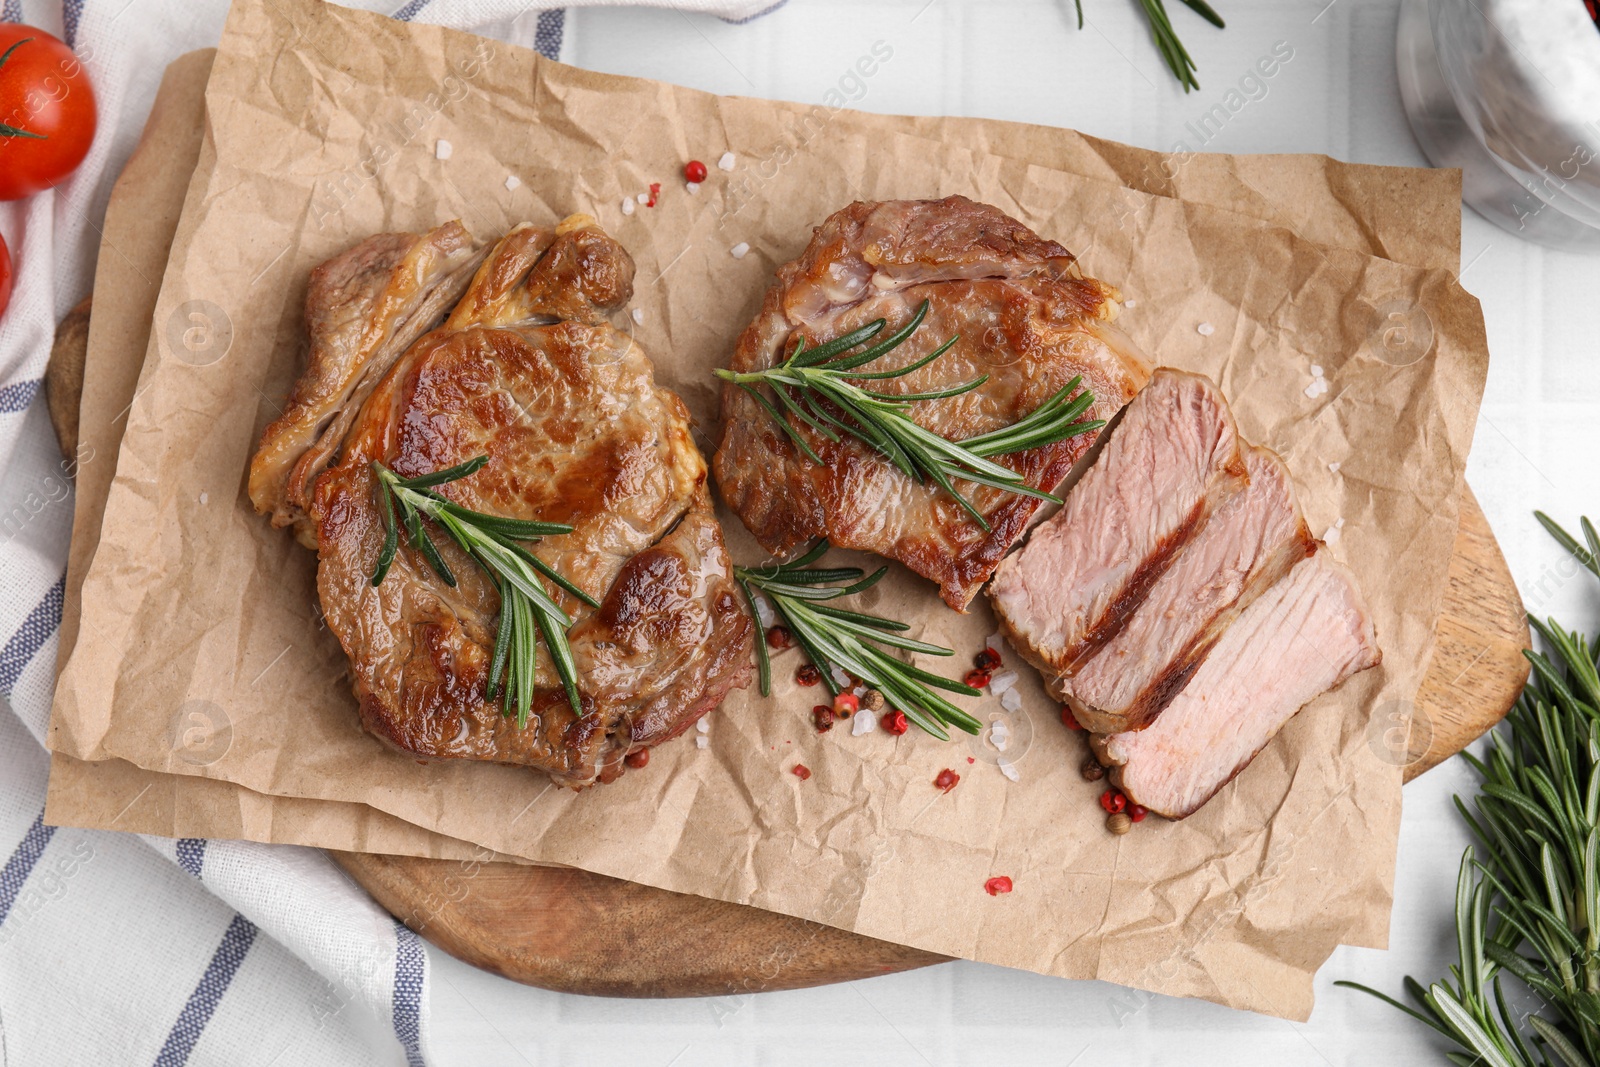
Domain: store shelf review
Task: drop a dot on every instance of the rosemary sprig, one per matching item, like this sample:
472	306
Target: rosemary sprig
1536	888
526	611
836	637
1172	51
819	387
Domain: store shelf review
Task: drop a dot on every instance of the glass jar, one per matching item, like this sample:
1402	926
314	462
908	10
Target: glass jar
1509	91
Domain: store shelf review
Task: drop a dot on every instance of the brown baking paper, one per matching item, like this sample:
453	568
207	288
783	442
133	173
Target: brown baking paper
191	598
137	233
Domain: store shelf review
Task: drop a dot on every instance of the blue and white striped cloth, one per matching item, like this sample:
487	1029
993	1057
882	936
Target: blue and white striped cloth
116	948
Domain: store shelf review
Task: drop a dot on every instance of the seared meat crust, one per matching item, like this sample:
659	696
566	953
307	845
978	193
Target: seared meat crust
526	371
1026	317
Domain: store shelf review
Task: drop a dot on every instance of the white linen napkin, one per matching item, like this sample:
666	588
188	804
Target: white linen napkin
123	949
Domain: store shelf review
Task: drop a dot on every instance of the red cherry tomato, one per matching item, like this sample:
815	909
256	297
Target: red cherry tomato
5	276
47	111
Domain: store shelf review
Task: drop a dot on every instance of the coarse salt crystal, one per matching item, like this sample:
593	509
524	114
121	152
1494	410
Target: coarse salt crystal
638	316
764	612
1333	468
1011	700
1316	371
993	640
1317	387
702	741
442	149
740	250
859	691
512	181
627	205
1130	303
1007	769
727	161
693	187
1002	681
865	723
643	198
1205	329
840	678
702	725
203	498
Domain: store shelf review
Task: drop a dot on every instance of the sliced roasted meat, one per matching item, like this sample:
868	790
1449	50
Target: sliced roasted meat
1025	316
1173	459
1247	544
527	371
1177	602
363	309
1300	638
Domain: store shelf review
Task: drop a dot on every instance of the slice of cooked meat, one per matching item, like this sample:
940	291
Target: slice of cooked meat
1173	459
1026	316
1300	638
527	372
363	309
1246	545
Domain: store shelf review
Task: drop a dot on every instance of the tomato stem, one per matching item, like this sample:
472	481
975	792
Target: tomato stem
13	48
12	131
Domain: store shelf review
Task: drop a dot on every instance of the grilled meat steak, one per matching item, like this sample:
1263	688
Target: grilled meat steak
1300	638
1025	315
363	309
1177	602
1172	459
527	371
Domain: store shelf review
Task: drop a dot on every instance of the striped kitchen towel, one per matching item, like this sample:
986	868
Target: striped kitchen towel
114	948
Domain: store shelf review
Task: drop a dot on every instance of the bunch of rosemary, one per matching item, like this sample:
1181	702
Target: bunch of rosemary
836	637
526	611
821	388
1530	906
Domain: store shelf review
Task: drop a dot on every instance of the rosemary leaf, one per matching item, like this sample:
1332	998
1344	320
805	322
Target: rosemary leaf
502	646
763	658
1205	11
391	541
449	474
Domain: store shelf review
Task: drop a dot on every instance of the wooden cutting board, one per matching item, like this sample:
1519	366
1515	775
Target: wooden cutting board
576	932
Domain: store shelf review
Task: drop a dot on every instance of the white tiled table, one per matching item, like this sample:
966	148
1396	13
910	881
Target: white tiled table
1535	447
